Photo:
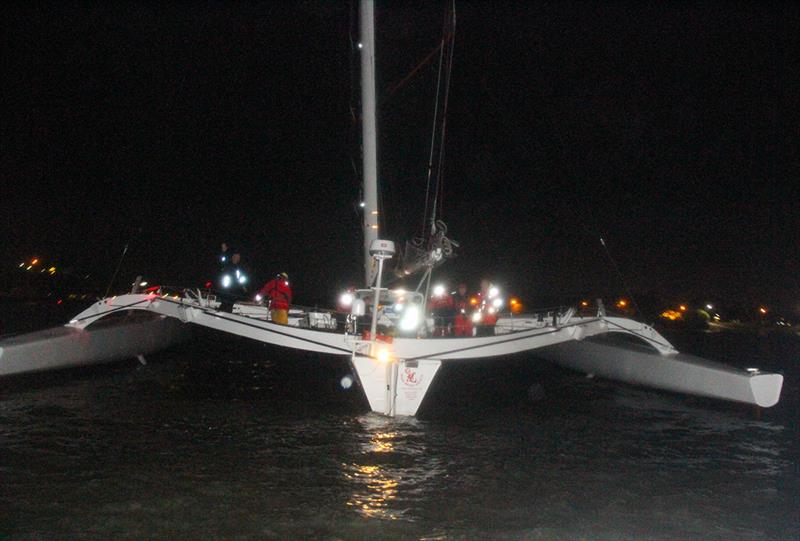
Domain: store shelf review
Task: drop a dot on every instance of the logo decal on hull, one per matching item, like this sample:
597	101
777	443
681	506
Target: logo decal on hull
410	377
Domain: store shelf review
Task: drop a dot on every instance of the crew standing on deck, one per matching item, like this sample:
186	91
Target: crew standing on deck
488	305
232	281
442	310
462	324
279	294
224	255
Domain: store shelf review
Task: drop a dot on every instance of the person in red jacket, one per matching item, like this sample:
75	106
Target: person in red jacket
489	303
279	294
462	323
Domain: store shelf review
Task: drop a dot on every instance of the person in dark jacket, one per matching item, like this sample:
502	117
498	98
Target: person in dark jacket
232	281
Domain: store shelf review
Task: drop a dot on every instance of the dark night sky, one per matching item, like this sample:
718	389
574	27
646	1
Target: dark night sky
669	129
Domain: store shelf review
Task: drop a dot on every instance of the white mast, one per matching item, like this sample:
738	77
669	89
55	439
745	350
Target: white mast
369	135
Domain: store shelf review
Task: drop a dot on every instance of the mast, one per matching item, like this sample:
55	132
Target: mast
369	134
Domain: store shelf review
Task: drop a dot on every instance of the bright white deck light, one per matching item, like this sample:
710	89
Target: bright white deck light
383	355
410	319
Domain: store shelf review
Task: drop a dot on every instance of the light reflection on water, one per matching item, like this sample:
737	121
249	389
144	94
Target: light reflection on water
377	492
393	467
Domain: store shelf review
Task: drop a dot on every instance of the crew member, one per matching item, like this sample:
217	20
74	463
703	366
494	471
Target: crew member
222	260
224	255
442	310
232	282
279	294
489	303
462	324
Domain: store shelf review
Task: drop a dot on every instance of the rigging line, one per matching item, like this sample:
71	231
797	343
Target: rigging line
119	264
560	150
411	74
354	118
433	143
351	105
439	194
592	231
448	35
621	276
351	102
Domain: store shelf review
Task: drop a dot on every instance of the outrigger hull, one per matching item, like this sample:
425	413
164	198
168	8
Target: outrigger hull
679	372
396	383
69	346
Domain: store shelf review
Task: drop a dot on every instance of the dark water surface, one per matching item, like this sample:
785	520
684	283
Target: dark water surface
228	439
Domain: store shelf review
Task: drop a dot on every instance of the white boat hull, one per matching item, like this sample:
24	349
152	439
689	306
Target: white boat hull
678	372
395	384
65	347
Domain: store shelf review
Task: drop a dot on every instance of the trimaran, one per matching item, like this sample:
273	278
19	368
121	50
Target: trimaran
395	375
